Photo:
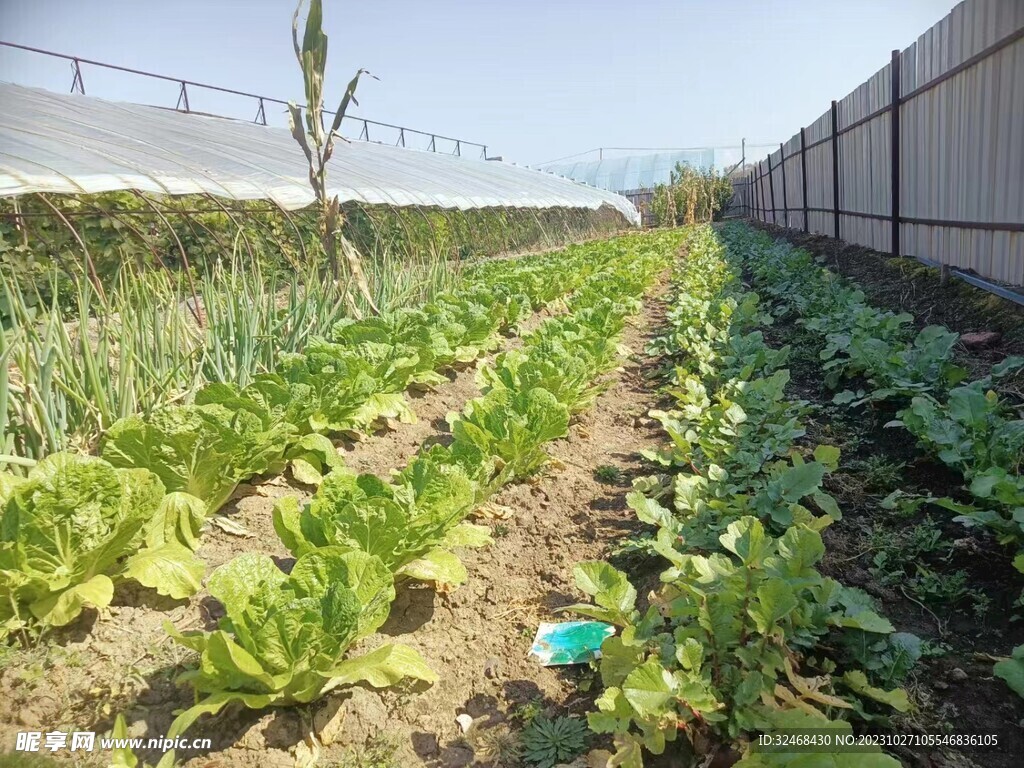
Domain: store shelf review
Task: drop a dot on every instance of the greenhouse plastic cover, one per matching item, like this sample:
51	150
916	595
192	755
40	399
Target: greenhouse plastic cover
67	143
623	174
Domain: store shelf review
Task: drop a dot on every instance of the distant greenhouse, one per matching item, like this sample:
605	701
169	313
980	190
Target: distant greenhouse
634	172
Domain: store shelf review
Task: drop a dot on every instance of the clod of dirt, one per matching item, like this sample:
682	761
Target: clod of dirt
328	720
957	675
284	731
363	714
253	739
492	669
426	744
981	339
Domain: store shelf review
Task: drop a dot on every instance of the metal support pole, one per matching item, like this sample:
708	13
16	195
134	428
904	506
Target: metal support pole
785	202
895	140
760	185
76	81
755	180
835	167
803	175
771	188
182	97
752	202
261	115
743	161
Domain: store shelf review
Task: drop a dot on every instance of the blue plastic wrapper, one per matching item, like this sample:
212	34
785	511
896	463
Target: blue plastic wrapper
570	642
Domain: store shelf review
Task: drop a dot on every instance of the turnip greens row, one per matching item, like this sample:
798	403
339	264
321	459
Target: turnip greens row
733	643
968	425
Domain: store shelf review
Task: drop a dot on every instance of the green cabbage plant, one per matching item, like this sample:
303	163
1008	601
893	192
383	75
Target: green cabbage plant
511	427
409	524
64	533
284	638
202	450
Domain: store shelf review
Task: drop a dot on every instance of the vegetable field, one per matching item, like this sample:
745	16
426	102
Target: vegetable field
797	507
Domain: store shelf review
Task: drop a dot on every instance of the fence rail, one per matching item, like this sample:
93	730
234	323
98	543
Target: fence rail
924	159
396	133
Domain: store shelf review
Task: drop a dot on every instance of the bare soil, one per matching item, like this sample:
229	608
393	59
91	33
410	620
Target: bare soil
476	638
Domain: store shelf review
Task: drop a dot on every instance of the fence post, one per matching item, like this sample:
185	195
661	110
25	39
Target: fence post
753	193
803	176
760	187
785	203
764	194
835	167
771	188
895	141
756	190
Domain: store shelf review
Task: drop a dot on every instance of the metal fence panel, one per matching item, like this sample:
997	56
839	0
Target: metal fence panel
960	164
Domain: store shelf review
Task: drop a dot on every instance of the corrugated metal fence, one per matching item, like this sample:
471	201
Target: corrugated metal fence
952	105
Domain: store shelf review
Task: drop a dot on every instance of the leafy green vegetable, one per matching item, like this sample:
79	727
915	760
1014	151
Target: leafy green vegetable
511	427
1012	671
311	457
974	430
404	523
285	637
64	532
124	757
548	365
203	450
351	389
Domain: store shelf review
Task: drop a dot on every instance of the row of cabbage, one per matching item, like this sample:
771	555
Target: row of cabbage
286	638
77	523
744	636
968	425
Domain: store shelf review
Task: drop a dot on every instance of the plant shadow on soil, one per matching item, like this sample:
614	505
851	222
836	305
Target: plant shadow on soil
952	586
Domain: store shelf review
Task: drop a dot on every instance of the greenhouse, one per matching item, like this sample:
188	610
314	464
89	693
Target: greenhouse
320	450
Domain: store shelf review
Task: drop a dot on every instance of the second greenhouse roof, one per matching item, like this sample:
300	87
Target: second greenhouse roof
624	174
72	144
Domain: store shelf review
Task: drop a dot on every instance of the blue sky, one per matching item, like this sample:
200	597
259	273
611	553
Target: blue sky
533	80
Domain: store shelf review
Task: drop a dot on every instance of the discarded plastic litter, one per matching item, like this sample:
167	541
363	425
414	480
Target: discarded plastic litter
570	642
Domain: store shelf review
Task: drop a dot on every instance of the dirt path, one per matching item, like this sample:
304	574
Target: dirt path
477	637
